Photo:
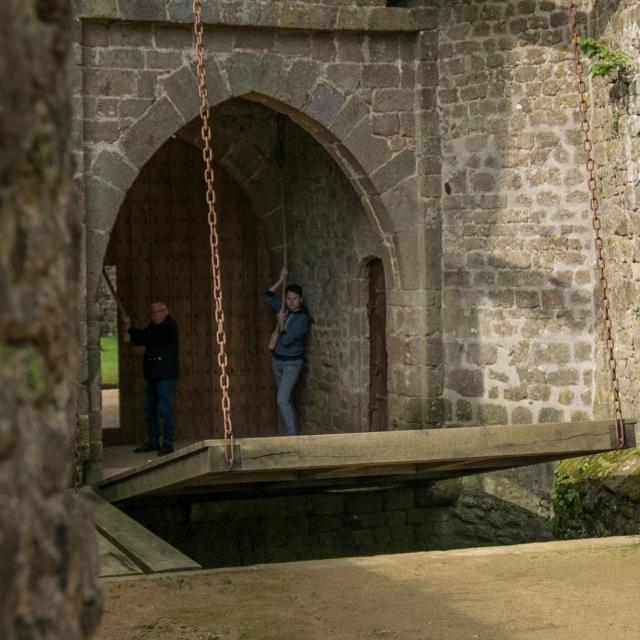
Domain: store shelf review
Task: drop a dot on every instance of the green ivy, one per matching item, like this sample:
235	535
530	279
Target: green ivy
606	60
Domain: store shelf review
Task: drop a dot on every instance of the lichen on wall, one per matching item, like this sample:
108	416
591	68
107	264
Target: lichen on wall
48	558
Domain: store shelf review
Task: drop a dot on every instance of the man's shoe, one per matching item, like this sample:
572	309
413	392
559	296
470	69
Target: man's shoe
146	448
165	449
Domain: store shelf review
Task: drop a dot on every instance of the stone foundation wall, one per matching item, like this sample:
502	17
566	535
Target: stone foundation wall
219	532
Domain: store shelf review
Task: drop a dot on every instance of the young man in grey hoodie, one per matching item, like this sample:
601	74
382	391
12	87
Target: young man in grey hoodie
286	358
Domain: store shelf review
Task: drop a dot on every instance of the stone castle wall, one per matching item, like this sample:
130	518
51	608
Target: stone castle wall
517	249
48	554
455	125
616	136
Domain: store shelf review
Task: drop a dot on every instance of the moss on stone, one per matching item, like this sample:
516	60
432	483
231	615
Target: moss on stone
597	495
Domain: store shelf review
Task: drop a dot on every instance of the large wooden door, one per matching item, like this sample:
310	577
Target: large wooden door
377	311
160	245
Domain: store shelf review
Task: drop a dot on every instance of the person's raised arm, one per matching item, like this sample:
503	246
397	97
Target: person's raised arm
269	296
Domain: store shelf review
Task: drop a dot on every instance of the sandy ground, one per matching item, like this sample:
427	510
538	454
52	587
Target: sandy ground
583	590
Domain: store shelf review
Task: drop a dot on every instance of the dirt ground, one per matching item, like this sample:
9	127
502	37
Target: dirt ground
583	590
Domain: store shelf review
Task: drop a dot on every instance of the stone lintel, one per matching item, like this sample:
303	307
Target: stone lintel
265	14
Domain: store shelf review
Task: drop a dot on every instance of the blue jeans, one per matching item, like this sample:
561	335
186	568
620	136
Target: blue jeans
286	374
159	395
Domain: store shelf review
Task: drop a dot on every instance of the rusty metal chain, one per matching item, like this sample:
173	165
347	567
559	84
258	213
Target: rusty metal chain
207	155
76	471
597	225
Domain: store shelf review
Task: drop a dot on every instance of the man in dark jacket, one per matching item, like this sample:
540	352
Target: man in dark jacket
161	364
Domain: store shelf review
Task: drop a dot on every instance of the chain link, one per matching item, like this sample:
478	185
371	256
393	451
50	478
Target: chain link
76	472
207	155
597	226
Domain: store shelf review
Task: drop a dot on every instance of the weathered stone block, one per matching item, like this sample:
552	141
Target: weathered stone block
174	37
563	377
393	100
350	47
399	168
550	414
252	71
254	39
112	168
550	353
148	133
521	415
492	414
121	58
146	84
132	108
125	34
370	151
387	124
101	130
464	411
364	502
325	103
566	396
293	43
516	394
299	79
482	354
144	10
181	87
103	201
327	503
380	75
527	299
94	34
345	75
109	82
539	392
466	382
323	47
398	499
164	60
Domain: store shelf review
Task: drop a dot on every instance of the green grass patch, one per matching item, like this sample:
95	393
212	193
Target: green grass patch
109	358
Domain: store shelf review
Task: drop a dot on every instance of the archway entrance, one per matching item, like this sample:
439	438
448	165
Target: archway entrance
160	248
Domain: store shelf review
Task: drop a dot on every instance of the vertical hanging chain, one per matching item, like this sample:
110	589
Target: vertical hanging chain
597	226
207	155
76	471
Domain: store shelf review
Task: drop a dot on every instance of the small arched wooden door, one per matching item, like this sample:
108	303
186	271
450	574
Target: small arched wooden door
378	360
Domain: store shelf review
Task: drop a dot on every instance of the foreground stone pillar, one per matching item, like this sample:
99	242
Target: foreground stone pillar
47	547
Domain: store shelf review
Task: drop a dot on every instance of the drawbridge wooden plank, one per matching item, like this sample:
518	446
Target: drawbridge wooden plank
434	453
132	541
113	561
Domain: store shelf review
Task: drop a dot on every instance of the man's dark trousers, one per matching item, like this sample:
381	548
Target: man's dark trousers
159	395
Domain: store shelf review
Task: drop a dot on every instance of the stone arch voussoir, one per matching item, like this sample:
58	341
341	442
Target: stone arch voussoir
341	124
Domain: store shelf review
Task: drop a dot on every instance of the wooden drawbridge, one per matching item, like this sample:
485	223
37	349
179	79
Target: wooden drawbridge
357	459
